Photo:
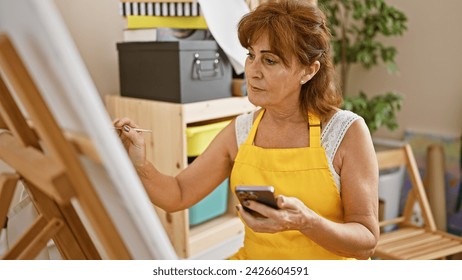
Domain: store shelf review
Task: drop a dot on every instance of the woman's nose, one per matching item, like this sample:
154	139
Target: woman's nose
253	68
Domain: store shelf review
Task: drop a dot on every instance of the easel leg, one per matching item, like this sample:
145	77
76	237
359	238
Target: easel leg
34	240
8	183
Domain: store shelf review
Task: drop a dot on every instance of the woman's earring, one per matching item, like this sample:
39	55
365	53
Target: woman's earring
302	82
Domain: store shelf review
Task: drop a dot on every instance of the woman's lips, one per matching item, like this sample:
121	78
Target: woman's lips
254	88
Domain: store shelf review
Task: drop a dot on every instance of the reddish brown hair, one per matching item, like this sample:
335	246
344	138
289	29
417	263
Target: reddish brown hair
297	28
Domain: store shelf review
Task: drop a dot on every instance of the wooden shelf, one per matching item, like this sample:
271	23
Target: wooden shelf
213	232
166	148
215	109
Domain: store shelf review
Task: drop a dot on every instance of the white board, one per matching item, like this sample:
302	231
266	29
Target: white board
45	45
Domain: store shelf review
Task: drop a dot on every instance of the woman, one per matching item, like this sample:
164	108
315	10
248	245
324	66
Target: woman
319	159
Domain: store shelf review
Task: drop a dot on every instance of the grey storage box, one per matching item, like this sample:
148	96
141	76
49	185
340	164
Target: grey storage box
180	72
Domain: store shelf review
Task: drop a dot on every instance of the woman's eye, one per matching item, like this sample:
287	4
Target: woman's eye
269	61
250	55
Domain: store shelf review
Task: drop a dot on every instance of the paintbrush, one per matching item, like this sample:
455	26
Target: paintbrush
136	129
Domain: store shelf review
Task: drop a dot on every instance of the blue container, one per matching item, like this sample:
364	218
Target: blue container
211	206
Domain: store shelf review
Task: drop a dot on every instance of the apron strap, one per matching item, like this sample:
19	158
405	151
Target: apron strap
315	131
253	130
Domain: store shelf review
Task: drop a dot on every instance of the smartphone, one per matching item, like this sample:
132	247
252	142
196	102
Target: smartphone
262	194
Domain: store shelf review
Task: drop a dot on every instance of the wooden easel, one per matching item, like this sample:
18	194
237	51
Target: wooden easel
49	167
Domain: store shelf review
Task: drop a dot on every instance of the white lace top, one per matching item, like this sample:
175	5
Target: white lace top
331	136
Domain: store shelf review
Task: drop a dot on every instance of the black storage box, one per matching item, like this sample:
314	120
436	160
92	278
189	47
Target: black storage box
181	72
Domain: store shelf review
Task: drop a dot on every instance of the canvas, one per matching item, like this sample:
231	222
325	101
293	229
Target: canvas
40	37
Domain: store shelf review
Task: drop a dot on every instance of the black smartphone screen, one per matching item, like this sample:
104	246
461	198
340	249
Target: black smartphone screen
262	194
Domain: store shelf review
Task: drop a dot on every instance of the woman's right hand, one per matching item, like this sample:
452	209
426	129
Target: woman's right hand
133	141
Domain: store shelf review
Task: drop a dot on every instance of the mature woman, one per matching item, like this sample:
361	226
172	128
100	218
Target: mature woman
319	159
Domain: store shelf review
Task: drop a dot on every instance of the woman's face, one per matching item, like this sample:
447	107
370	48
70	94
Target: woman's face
271	84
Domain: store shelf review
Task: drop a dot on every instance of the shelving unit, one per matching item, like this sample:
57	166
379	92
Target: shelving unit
166	149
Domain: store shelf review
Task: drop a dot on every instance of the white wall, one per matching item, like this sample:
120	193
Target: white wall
429	59
96	28
430	62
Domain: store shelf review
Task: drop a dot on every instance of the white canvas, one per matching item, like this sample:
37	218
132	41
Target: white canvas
43	42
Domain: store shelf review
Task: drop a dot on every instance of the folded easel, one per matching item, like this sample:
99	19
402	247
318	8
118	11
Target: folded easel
47	163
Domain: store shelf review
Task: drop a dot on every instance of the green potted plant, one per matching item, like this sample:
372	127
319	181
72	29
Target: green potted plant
357	28
377	111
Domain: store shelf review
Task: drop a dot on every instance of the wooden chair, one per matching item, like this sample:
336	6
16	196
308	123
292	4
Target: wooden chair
411	241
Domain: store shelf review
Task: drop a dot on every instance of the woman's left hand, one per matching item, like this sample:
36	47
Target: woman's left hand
291	215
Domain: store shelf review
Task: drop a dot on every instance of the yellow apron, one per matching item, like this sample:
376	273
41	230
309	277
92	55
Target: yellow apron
299	172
